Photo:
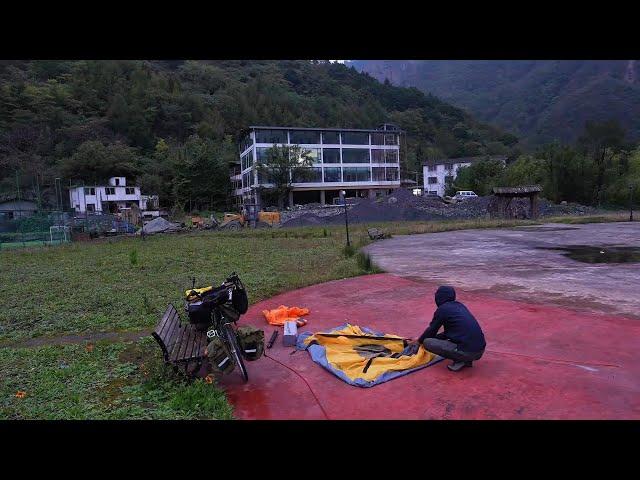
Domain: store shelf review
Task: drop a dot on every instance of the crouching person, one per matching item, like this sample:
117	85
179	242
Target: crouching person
462	339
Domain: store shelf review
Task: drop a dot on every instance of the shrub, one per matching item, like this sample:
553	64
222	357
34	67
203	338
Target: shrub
348	250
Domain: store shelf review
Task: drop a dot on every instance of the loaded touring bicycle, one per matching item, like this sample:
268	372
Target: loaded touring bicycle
211	335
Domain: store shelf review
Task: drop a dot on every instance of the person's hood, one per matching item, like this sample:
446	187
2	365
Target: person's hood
445	294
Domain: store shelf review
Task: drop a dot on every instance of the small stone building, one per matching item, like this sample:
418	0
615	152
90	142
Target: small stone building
503	205
12	207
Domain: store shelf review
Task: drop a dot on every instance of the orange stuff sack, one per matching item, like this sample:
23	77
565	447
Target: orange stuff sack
282	314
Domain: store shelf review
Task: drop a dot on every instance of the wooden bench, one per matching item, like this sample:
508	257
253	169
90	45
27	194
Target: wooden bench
181	344
375	233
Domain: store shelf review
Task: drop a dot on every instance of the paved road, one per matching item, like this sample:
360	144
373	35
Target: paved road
510	263
586	366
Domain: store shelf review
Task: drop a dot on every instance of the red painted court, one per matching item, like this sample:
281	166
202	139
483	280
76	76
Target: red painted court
541	362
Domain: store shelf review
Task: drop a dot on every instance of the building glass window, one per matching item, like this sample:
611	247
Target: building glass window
310	175
433	180
331	155
117	182
356	174
390	156
355	155
331	138
130	190
110	191
298	137
355	138
271	136
378	174
390	139
261	154
392	174
246	142
377	155
91	207
313	154
265	175
377	139
89	191
332	174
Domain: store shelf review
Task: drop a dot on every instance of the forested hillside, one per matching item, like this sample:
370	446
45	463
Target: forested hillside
539	100
173	125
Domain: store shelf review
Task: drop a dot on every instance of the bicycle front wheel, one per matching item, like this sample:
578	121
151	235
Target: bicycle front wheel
232	338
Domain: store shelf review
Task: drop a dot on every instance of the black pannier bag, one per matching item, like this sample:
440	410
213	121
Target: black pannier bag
240	300
199	314
251	341
199	310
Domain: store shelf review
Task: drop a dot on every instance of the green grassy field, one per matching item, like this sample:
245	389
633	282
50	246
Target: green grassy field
124	285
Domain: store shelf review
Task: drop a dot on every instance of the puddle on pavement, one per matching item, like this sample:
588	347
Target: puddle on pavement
536	228
599	254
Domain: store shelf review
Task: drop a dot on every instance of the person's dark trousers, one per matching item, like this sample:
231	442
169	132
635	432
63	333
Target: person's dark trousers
447	349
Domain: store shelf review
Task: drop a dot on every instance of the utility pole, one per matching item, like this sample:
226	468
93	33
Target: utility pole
343	194
630	202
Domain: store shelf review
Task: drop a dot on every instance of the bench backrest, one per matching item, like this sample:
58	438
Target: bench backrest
167	330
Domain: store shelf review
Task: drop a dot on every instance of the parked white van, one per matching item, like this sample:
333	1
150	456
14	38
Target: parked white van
464	194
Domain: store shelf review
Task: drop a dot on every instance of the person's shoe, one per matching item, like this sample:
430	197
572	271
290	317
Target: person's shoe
457	366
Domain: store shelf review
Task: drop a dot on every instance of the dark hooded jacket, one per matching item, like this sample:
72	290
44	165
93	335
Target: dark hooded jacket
460	326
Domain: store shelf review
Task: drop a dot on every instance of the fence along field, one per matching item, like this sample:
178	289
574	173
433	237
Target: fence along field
53	227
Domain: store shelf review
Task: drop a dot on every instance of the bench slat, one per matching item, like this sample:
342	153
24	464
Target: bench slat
181	346
175	350
173	336
165	330
171	328
179	342
167	319
199	344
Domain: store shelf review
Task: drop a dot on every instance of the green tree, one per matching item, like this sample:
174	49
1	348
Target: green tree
601	141
480	176
95	161
282	166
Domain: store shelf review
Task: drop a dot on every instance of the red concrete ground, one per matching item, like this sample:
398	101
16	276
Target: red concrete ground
541	362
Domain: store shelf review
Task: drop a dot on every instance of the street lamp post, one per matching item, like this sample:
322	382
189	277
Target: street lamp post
343	194
630	203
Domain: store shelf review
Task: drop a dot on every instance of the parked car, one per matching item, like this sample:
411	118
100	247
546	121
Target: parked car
464	194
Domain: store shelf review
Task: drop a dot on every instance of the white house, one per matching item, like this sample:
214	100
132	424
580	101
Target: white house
112	198
437	173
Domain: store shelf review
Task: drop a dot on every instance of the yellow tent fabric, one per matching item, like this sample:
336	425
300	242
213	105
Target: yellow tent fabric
341	355
190	296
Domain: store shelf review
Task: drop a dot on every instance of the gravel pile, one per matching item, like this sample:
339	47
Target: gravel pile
402	205
160	225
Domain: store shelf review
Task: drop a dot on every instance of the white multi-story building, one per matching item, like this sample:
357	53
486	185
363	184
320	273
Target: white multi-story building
364	162
437	173
112	198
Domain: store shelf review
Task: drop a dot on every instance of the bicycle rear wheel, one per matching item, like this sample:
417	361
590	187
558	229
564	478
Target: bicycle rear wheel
232	337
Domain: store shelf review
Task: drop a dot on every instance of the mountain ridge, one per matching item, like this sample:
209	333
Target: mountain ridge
538	100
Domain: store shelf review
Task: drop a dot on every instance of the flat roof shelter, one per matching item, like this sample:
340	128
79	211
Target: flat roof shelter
504	196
